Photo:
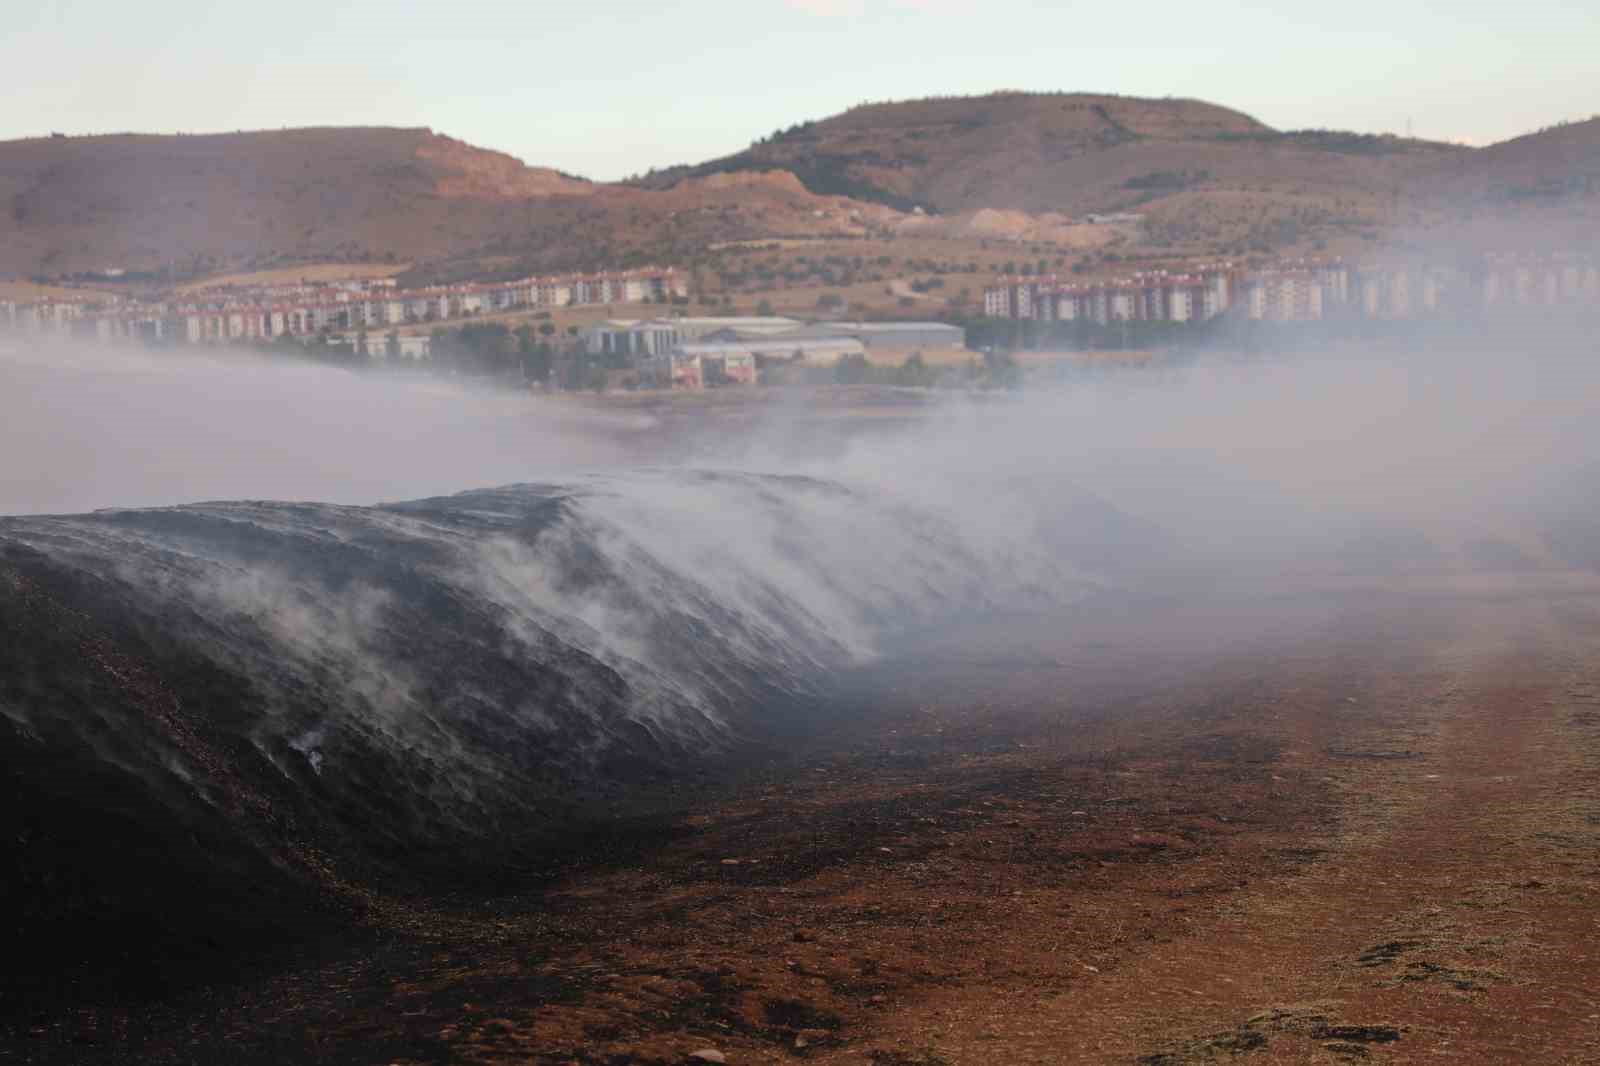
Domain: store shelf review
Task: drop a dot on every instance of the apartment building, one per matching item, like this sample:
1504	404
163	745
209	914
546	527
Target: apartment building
1284	296
1155	296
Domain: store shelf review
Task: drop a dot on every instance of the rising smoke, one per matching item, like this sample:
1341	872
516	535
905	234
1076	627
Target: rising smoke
663	583
1448	437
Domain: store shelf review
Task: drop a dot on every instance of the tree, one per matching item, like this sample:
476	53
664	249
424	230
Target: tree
914	372
851	369
537	363
1003	370
547	329
764	309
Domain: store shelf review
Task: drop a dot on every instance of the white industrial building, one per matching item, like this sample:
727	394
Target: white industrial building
634	337
899	336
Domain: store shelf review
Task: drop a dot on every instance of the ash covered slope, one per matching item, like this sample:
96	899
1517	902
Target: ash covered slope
234	706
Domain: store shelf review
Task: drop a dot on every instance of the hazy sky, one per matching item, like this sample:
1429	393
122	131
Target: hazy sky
609	89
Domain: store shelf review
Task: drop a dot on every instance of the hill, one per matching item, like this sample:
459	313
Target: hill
139	201
961	179
195	205
1541	190
1071	153
1560	162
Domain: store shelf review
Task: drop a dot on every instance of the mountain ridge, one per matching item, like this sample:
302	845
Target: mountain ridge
1070	152
1207	179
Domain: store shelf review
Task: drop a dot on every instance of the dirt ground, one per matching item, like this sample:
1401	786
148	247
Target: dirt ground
1352	822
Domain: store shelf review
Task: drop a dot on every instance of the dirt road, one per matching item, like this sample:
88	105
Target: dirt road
1358	823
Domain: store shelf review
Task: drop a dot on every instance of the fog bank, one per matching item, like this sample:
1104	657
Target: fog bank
84	427
1257	461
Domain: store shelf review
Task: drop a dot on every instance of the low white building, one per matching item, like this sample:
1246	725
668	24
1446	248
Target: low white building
631	337
899	336
691	329
811	351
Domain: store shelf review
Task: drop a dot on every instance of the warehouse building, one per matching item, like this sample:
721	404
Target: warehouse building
898	336
635	338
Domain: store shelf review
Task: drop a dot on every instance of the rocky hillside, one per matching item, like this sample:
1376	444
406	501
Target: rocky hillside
1007	166
1070	153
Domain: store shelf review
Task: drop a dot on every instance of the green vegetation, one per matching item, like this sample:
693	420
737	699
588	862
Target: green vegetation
1340	141
492	350
995	370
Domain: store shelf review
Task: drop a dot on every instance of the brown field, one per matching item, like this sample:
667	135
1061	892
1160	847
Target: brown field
1353	823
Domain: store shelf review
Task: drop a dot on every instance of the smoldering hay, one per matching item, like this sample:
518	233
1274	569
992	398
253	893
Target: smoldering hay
257	697
212	701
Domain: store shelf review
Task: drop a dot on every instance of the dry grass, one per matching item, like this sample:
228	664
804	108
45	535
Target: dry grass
1104	841
310	274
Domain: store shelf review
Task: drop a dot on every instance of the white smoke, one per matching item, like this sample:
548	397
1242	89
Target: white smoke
87	427
690	569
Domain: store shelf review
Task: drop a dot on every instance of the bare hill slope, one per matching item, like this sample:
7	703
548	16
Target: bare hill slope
1540	191
1064	152
1558	162
1208	180
198	204
141	200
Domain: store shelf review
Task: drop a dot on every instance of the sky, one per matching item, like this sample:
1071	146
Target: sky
608	90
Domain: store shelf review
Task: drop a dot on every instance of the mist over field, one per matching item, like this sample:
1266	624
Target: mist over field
473	619
921	572
87	427
1450	440
1085	572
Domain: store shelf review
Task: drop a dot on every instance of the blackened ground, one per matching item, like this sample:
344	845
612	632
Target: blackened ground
126	876
1353	820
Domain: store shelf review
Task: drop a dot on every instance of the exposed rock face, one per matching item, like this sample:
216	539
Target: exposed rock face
476	173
